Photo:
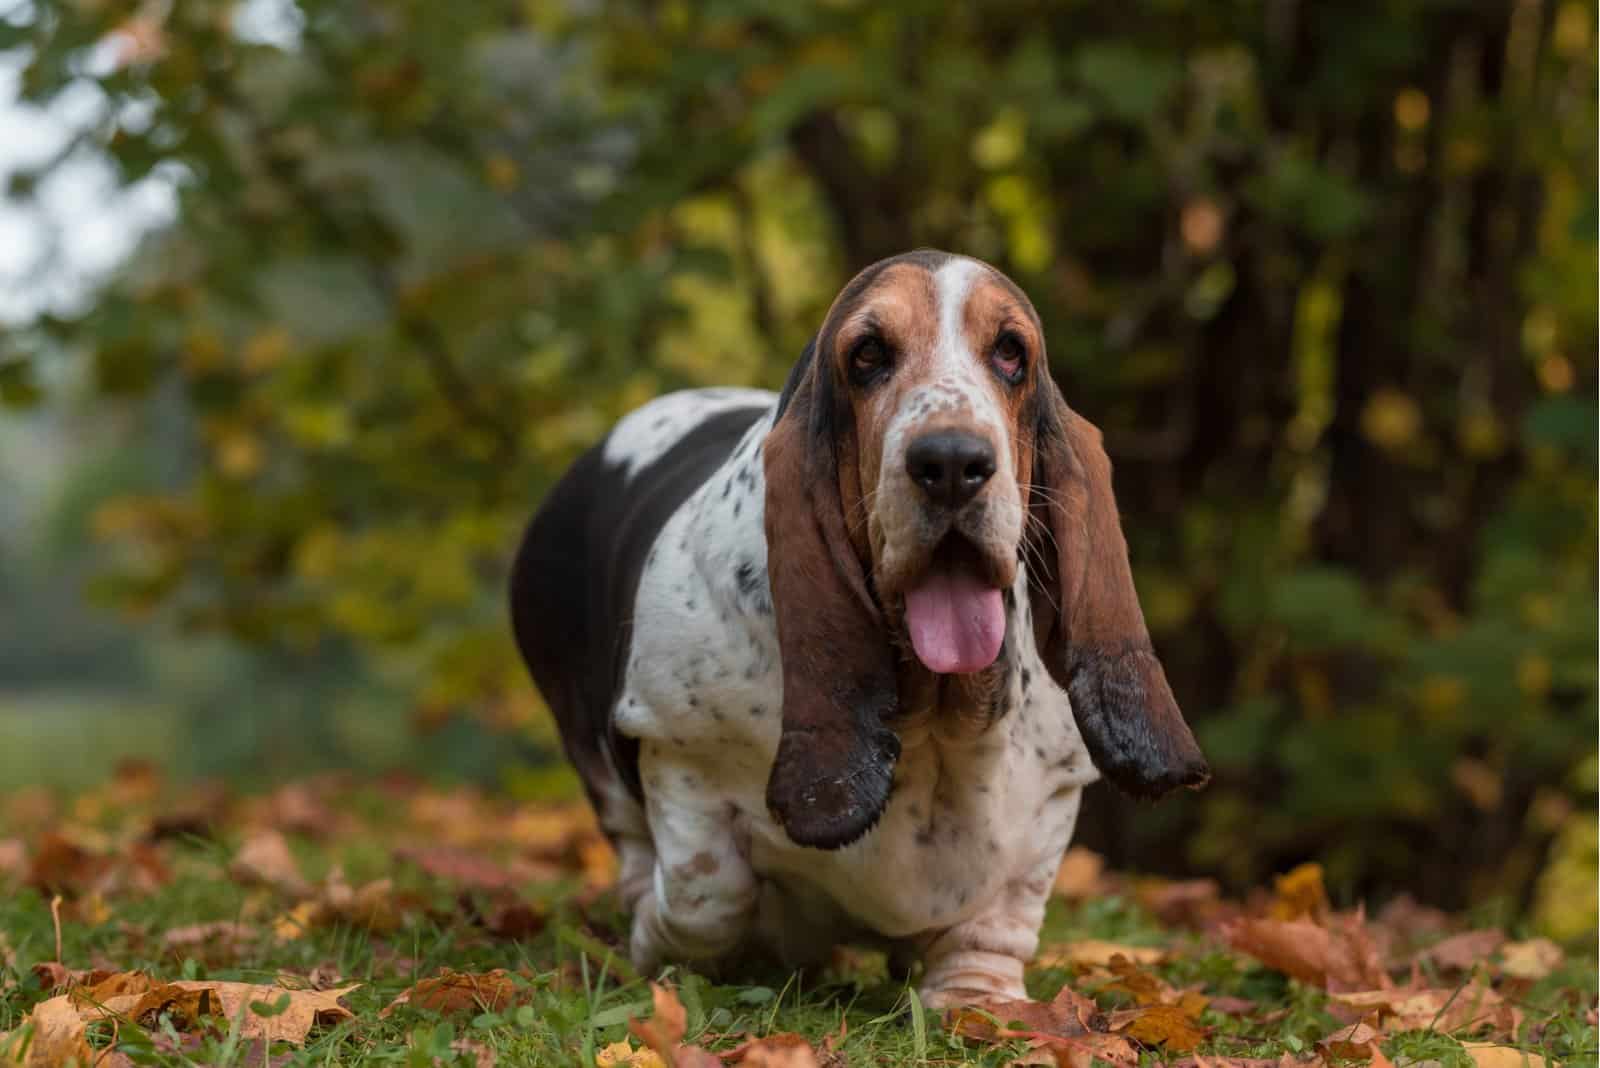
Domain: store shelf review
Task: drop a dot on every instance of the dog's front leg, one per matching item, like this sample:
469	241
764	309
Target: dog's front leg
702	901
984	956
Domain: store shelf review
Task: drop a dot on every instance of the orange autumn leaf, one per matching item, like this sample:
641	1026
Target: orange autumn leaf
1168	1026
1341	955
265	860
1095	953
1350	1043
785	1050
452	992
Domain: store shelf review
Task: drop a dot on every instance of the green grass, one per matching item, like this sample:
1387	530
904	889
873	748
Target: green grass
579	993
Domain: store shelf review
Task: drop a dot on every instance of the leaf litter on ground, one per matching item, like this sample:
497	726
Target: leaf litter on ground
148	917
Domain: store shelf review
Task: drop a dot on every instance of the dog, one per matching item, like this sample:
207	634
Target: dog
836	664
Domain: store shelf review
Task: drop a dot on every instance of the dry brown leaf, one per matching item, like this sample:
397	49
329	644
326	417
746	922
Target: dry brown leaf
62	865
1148	989
992	1019
786	1050
13	859
1094	953
1491	1055
194	999
1232	1006
1159	1025
58	1035
1190	903
1534	959
210	941
1349	1042
458	992
1461	952
118	984
1378	1058
459	866
1081	875
1473	1007
56	976
373	905
265	860
1338	956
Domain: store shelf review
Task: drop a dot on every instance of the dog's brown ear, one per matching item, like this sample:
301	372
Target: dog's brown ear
835	763
1090	629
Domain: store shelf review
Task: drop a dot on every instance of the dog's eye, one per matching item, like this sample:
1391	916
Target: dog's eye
1009	356
868	359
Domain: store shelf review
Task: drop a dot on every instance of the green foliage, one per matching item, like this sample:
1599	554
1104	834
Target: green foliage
1324	273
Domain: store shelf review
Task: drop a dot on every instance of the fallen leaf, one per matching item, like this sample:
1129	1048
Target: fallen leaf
55	976
458	866
1349	1042
991	1019
212	942
304	1009
1378	1058
297	921
1300	894
1472	1007
1534	959
1232	1006
665	1029
265	860
786	1050
1148	989
1094	953
623	1055
13	859
1159	1025
1341	955
452	992
116	985
1493	1055
62	866
1462	952
1081	875
58	1035
1185	903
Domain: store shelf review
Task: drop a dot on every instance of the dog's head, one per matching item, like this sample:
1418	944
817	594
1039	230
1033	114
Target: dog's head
921	450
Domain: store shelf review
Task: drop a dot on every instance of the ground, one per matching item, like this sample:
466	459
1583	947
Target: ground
396	921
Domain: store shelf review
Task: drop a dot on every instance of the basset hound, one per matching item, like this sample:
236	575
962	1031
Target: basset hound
836	664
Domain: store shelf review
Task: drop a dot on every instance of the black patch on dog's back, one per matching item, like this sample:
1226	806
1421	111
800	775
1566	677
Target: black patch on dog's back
576	577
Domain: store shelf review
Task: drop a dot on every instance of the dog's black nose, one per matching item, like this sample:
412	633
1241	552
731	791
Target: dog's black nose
950	465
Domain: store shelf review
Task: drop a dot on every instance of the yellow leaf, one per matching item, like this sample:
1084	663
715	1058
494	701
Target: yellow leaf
623	1055
1095	953
1533	959
1300	894
1491	1055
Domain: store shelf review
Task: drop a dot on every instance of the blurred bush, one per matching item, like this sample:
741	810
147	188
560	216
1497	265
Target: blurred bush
1325	274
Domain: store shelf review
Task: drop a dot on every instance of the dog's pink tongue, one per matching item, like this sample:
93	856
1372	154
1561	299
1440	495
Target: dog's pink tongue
956	622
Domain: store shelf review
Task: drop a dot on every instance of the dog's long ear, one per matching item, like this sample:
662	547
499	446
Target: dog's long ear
1087	619
835	763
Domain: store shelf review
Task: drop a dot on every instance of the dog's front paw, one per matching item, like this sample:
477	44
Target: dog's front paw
968	977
